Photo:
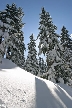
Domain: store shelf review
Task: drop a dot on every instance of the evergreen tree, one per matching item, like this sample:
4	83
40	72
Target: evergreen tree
46	29
64	37
70	44
31	61
16	55
2	42
39	63
66	54
49	44
42	67
4	32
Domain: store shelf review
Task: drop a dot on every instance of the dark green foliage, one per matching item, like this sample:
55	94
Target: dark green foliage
46	29
31	64
15	54
64	37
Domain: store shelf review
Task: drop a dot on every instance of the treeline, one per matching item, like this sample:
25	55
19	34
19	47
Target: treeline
57	48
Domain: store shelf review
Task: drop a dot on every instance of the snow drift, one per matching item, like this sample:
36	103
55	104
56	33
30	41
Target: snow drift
20	89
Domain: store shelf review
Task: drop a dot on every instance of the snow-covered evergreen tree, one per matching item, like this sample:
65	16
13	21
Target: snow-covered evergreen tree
3	40
46	28
4	33
49	44
31	64
16	15
70	44
39	63
42	67
64	37
66	54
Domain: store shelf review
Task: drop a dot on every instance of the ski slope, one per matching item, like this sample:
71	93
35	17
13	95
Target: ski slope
20	89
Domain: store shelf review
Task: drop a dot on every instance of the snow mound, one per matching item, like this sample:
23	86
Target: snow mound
20	89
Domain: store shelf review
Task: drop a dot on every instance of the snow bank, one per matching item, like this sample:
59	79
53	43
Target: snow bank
20	89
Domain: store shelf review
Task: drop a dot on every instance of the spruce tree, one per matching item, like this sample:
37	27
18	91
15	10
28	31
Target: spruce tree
70	44
64	37
4	32
39	63
49	44
42	67
46	28
16	15
31	64
66	54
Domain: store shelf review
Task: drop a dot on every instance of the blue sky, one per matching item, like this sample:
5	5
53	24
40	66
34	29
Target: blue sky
60	11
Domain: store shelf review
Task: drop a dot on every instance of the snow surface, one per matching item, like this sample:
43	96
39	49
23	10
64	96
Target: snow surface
20	89
71	35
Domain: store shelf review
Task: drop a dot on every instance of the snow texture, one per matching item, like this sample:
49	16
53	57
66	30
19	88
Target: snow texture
20	89
71	36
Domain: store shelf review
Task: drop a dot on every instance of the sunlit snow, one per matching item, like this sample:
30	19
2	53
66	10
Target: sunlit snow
71	35
20	89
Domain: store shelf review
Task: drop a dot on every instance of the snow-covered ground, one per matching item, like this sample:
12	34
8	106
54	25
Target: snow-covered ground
20	89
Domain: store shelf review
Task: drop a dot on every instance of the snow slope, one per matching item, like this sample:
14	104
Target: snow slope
20	89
